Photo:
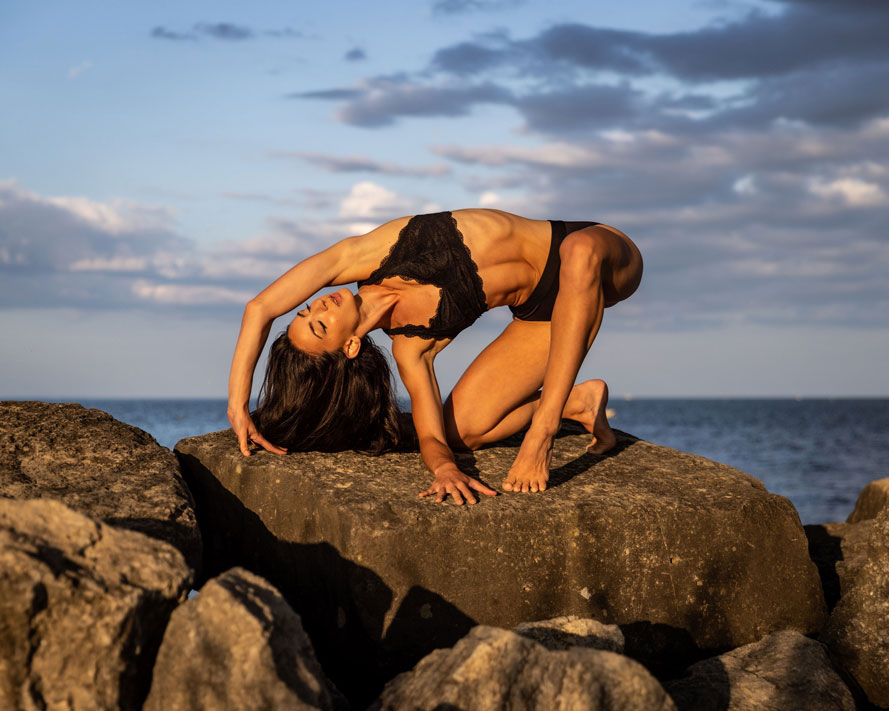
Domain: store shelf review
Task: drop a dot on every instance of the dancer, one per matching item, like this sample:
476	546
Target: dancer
423	279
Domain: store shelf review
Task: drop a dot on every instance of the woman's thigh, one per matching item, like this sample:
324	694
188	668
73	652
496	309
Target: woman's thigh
503	376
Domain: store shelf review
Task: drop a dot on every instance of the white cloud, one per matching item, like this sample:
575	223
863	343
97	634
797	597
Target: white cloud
369	200
77	70
110	264
188	295
852	191
489	199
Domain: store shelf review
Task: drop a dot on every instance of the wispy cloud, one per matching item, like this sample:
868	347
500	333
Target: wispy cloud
225	31
78	69
362	164
456	7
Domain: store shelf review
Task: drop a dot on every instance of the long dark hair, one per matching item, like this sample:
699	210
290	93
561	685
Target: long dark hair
328	402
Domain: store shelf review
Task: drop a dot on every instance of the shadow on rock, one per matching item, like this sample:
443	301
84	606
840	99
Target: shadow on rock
322	586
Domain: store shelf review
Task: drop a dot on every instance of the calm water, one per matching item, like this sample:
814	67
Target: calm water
818	453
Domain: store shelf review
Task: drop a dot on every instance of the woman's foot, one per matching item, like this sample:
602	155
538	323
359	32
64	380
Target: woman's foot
530	470
587	404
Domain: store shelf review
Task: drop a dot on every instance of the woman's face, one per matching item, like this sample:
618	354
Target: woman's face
326	323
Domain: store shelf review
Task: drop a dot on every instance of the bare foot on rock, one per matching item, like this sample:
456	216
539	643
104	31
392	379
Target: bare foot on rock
587	404
530	470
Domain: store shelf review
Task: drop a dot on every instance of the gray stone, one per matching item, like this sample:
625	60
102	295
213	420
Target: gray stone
839	550
873	498
782	672
99	466
858	630
493	669
83	607
238	645
572	631
683	553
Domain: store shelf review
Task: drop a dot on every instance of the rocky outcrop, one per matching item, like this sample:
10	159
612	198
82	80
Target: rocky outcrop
99	466
493	669
873	498
572	631
682	553
840	551
858	630
782	671
238	645
82	608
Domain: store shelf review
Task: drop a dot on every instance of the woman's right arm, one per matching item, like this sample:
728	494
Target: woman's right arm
334	265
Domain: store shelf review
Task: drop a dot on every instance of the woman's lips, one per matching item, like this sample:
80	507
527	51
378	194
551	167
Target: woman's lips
336	298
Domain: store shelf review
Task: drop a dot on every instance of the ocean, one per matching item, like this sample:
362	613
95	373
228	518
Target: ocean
817	452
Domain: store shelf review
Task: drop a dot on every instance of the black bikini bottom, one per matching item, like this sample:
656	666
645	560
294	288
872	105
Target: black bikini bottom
539	306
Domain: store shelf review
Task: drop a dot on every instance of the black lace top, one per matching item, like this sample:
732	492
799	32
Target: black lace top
430	250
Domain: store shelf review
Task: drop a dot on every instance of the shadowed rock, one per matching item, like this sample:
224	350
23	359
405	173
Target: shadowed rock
782	671
683	553
99	466
858	630
839	550
873	498
82	608
493	669
572	631
238	645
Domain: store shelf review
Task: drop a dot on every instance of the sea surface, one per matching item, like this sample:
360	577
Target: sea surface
817	452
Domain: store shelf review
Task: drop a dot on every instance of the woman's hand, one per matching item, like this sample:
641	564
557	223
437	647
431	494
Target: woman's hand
450	480
246	432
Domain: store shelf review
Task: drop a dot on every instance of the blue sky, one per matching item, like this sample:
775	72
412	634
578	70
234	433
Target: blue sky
162	162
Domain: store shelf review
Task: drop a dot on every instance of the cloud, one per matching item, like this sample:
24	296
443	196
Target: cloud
370	200
225	31
356	54
751	71
456	7
77	70
362	164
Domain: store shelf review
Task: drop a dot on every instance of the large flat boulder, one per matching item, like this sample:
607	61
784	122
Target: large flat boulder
493	669
238	645
99	466
83	607
683	553
858	630
782	671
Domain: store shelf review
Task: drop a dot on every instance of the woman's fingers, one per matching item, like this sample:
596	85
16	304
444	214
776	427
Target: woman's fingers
265	444
478	486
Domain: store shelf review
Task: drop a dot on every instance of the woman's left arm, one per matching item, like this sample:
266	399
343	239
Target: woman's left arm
414	359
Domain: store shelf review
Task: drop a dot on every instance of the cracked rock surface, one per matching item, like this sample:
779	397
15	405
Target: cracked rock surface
493	669
782	671
99	466
238	645
83	606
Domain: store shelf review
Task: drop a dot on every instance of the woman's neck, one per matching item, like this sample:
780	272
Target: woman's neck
375	304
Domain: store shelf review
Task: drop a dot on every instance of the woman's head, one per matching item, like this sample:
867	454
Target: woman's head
328	401
328	323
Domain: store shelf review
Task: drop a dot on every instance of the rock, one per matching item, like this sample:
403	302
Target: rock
839	550
683	553
493	669
858	630
99	466
83	607
782	671
873	498
572	631
238	645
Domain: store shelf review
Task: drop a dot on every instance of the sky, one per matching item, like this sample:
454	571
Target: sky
161	163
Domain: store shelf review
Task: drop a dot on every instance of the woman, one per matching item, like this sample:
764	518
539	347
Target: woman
423	279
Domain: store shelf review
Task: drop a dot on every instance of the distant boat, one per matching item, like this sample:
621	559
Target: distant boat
610	413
